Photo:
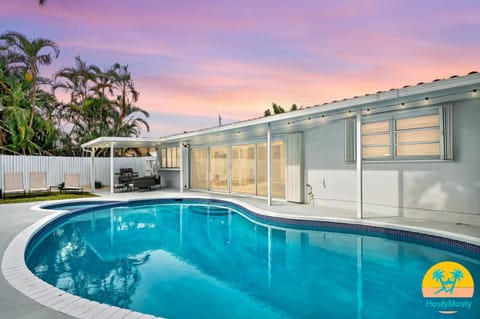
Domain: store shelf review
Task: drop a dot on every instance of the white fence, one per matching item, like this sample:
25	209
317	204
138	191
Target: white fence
56	167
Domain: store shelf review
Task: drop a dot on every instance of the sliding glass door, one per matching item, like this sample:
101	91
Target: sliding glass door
219	168
199	168
246	166
243	169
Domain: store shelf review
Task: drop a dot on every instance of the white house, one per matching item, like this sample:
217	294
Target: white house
420	147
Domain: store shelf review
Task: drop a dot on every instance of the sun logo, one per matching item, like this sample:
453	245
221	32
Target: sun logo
444	283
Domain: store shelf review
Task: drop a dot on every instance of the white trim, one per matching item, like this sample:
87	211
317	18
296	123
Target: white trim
359	167
180	149
269	165
111	168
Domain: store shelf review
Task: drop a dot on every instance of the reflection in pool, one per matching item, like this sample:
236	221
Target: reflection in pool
191	260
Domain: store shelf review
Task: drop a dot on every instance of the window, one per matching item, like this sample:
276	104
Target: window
418	136
170	157
376	140
414	135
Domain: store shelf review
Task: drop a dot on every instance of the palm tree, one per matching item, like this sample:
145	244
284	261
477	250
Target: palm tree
131	124
438	276
25	54
77	80
457	275
277	109
122	81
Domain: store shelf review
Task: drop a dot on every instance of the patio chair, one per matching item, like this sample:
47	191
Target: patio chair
38	182
72	183
13	184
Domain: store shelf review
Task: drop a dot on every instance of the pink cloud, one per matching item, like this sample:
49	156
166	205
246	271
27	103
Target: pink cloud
204	58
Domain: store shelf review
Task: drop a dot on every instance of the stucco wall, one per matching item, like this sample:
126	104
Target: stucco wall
170	178
449	190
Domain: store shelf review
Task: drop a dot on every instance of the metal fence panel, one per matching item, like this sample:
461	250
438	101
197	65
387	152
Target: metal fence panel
56	167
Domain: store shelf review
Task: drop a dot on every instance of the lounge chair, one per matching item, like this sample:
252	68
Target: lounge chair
13	184
38	182
72	183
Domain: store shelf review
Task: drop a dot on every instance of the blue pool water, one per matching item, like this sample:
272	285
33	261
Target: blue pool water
195	259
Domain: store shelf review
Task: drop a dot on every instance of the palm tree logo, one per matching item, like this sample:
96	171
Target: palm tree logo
448	285
447	279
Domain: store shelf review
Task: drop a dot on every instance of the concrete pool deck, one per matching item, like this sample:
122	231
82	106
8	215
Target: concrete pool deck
14	218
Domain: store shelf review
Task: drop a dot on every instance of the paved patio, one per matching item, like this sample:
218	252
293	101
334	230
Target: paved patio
16	217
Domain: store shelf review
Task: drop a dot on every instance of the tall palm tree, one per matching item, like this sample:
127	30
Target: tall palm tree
26	55
77	80
122	82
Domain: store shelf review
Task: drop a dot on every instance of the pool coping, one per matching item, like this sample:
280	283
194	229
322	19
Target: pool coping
17	274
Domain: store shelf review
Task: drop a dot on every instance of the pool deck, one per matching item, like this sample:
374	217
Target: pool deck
14	218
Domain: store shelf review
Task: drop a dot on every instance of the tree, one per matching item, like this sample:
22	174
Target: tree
101	103
277	109
294	107
77	80
26	55
122	82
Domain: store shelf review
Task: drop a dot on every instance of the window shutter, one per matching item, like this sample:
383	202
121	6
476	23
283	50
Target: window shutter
350	140
447	118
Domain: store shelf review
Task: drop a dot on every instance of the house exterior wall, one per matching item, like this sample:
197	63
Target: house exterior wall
170	178
439	190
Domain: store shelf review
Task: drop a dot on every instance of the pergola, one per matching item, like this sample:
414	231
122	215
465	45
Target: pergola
112	143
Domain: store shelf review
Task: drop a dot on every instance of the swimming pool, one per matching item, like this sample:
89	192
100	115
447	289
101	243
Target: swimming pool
211	259
73	205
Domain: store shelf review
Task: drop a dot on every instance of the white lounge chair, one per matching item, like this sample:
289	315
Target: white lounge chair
13	184
72	183
38	182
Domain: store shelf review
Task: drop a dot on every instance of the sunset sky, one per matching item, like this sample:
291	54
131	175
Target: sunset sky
193	60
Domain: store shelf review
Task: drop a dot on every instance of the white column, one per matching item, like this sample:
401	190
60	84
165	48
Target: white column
359	166
269	165
92	170
181	166
111	169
